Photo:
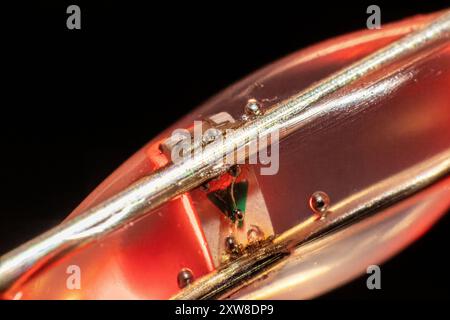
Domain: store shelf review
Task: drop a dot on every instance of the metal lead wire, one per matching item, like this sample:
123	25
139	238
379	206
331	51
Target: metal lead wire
152	191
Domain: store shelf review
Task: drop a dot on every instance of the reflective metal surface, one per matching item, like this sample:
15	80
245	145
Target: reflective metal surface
255	264
287	116
326	263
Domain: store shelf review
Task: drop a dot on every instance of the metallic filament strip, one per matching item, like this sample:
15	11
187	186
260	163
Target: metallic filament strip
154	190
249	267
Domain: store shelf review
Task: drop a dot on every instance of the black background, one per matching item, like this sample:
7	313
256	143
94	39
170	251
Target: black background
77	103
